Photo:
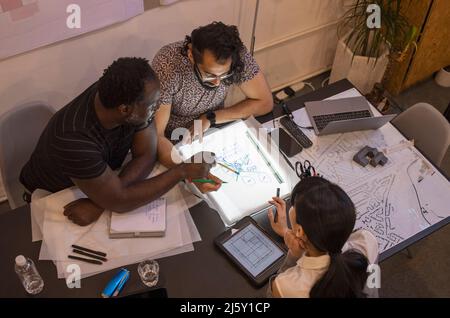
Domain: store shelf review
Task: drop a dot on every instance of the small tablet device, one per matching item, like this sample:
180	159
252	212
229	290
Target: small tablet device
252	250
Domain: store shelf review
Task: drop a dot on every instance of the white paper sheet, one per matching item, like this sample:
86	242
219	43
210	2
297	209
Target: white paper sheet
59	234
148	218
192	235
37	212
184	245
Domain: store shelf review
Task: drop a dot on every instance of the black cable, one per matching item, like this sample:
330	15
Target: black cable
304	127
273	119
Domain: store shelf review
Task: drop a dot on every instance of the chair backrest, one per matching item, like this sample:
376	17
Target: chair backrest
447	113
429	129
20	130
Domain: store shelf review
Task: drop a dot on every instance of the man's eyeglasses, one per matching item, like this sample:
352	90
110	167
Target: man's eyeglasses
209	79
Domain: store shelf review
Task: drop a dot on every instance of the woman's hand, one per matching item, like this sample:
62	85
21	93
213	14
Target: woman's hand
295	245
278	223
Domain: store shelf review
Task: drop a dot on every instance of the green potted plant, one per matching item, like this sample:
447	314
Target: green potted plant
365	55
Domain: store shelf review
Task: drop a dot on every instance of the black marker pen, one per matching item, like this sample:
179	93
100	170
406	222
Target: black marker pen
275	214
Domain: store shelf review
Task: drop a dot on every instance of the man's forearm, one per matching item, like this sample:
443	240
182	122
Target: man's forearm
165	148
143	192
244	109
137	169
143	149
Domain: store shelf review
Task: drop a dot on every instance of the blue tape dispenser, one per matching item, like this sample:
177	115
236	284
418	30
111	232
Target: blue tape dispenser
116	284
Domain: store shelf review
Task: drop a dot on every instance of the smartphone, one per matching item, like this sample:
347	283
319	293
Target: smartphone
153	293
286	143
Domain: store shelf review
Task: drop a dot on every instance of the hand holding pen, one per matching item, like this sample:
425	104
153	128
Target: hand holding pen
208	184
278	220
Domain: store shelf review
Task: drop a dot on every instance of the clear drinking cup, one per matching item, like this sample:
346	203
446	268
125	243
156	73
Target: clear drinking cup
149	272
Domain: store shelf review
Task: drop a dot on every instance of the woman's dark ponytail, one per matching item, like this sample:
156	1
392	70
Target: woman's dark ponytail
345	278
328	216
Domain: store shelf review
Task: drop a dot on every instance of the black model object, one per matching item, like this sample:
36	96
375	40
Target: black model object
252	250
286	143
296	132
370	155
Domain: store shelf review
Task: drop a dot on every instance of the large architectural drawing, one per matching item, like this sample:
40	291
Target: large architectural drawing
395	201
237	158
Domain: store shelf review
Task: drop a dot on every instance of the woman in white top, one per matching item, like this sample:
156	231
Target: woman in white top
325	258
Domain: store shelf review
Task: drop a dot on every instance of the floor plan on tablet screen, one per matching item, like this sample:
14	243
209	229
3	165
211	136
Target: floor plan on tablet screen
253	250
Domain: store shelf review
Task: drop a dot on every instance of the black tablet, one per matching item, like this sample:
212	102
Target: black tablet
252	250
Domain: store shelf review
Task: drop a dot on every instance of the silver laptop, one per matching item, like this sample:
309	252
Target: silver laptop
343	115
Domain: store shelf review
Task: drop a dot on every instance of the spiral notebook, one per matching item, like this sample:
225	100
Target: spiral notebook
146	221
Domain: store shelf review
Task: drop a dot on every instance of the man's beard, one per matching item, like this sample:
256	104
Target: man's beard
134	120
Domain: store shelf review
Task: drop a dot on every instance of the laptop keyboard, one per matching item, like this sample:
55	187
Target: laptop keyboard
323	120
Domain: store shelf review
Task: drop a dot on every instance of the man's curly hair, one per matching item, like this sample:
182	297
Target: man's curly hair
123	82
223	41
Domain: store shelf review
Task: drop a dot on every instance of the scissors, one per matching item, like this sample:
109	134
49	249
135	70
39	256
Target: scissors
305	169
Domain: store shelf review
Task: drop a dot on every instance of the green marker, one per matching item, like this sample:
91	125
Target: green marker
206	181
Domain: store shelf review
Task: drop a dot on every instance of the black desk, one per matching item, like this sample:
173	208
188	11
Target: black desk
205	272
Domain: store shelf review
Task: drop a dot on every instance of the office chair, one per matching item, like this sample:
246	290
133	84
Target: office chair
429	129
447	113
20	130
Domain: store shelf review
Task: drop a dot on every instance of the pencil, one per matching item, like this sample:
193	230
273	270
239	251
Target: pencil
226	167
91	261
275	216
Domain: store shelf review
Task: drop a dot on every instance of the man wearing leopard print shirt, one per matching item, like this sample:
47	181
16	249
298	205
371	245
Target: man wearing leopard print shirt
195	76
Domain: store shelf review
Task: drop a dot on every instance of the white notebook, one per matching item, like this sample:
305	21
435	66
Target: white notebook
148	220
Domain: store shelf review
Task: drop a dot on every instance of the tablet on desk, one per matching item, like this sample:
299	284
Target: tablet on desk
252	250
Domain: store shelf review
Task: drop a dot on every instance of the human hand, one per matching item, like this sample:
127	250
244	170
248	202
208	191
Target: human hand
198	165
295	244
280	224
83	211
209	187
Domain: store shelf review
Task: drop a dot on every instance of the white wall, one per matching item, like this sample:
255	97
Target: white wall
59	72
285	47
295	39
